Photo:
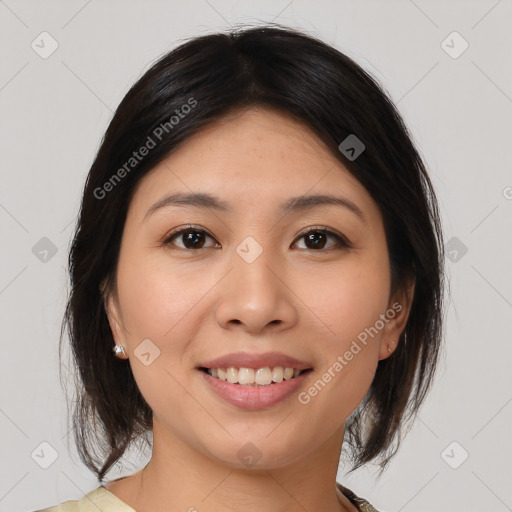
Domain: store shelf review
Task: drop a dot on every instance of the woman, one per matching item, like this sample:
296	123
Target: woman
259	245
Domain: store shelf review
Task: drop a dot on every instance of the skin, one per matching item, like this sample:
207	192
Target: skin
195	304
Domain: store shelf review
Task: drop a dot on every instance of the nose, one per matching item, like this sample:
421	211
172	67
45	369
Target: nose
256	297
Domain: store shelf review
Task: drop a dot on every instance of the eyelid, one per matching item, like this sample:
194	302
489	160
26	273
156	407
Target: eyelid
342	240
167	238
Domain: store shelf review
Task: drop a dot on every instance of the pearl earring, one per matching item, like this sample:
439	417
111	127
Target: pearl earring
119	352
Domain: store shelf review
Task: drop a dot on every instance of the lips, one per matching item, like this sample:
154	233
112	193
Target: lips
255	361
255	398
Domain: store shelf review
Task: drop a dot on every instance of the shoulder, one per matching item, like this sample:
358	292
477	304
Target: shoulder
361	504
98	499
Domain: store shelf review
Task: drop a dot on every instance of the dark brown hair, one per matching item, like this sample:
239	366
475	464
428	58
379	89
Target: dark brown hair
299	76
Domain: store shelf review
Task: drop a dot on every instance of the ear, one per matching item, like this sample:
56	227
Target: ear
112	310
395	320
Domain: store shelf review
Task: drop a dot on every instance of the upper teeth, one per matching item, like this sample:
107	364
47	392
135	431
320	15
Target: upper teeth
262	376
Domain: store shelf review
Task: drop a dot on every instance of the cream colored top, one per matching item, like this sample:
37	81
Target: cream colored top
102	500
99	500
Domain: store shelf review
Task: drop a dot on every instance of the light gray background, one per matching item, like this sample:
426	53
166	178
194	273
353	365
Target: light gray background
54	112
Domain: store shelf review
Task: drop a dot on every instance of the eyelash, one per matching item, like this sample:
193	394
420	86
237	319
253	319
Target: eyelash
342	242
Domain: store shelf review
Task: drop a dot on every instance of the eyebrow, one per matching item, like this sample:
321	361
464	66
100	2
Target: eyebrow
293	204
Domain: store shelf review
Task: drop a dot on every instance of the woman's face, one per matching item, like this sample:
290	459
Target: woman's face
249	278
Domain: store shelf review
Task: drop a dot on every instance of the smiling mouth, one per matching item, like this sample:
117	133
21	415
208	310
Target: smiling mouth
259	377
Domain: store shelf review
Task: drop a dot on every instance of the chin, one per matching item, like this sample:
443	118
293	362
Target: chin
257	454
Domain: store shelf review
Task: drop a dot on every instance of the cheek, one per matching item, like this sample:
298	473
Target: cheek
350	298
156	297
351	309
157	303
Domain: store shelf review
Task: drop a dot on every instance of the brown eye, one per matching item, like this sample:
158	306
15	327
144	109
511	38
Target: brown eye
317	239
190	238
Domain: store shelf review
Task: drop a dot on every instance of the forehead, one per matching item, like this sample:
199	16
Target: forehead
254	159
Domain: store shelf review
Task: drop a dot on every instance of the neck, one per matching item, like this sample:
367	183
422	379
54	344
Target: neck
179	477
